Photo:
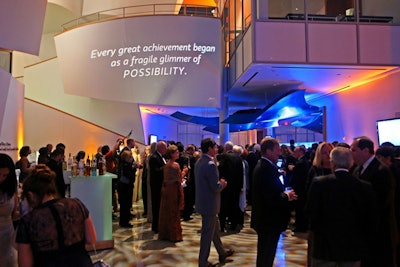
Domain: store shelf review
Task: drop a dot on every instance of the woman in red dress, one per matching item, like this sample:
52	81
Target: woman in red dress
171	198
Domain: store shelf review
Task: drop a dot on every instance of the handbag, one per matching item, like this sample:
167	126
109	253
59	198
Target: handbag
100	263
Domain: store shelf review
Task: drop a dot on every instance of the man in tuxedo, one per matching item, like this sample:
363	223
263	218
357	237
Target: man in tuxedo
270	210
380	177
342	211
208	201
156	166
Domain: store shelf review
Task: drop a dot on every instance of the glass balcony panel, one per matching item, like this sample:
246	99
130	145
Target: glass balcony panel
379	11
284	9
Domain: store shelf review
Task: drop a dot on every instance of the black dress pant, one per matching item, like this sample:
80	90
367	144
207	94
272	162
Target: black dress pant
155	206
125	195
266	246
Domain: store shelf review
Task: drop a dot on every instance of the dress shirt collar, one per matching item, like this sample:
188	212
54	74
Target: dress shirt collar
161	157
205	154
366	163
267	159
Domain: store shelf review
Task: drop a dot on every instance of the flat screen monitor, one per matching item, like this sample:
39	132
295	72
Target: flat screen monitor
152	138
389	131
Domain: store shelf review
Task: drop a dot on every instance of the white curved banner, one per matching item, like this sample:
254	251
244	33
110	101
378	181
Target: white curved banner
163	60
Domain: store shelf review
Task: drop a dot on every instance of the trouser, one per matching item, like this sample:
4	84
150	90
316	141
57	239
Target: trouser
189	196
125	195
266	247
114	193
144	195
155	207
209	232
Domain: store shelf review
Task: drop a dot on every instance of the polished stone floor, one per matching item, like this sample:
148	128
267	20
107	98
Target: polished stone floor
139	246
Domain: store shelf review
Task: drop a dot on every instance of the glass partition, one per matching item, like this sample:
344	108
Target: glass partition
237	19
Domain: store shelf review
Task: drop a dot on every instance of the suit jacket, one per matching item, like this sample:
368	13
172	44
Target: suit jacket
300	173
382	181
252	158
270	210
208	187
128	171
342	211
231	169
156	166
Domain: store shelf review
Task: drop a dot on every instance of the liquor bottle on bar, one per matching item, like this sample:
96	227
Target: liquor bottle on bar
74	167
94	166
69	162
101	165
64	165
87	167
81	167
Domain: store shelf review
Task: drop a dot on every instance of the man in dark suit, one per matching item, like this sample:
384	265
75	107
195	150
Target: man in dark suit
342	212
231	168
130	143
387	155
298	183
380	177
208	201
55	164
156	166
270	210
252	158
190	189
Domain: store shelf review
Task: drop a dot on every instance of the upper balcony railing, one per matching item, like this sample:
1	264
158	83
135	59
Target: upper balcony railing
142	10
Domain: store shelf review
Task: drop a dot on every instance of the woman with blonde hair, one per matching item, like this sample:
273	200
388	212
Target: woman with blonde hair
321	164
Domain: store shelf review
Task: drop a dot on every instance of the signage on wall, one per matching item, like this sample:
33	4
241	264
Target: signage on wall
6	146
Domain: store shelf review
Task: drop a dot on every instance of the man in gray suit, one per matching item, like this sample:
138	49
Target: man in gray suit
208	201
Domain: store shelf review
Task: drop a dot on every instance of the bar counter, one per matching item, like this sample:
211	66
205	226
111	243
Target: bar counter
95	193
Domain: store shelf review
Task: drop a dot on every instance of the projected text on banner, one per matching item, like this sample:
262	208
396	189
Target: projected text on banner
137	60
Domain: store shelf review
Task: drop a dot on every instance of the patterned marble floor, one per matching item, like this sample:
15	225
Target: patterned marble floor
139	247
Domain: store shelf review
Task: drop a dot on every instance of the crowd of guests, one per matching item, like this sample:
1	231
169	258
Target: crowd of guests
46	228
345	196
